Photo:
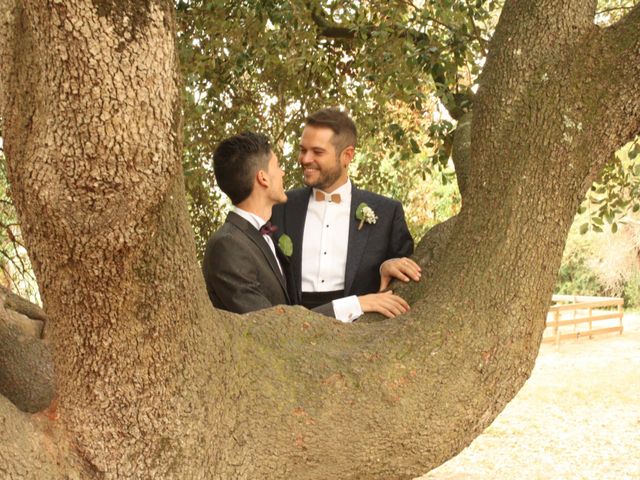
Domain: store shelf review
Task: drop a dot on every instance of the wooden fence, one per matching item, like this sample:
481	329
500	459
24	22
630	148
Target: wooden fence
579	311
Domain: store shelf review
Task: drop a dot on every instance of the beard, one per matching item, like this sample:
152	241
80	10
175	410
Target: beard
326	177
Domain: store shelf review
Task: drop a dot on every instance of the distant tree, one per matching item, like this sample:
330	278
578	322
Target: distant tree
15	269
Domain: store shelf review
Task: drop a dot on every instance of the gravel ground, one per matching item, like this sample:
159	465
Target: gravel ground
577	417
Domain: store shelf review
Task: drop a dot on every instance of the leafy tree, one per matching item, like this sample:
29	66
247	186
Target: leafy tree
397	66
616	193
265	65
155	383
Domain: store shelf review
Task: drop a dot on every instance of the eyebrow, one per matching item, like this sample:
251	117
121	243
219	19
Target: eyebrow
321	149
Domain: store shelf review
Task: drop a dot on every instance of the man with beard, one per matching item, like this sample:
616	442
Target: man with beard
346	241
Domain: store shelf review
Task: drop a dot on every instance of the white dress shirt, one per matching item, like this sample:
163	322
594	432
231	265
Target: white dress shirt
258	222
324	250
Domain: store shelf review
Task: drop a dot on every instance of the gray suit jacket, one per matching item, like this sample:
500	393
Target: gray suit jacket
242	274
388	238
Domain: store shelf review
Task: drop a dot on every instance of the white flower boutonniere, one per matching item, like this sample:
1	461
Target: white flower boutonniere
365	213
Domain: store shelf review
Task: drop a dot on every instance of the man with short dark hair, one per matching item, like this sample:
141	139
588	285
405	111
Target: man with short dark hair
346	241
243	269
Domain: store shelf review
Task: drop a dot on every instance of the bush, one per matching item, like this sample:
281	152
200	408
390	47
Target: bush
576	277
632	292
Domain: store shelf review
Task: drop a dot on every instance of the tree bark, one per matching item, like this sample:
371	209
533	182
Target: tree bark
155	383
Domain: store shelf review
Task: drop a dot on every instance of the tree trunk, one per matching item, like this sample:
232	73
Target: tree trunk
155	383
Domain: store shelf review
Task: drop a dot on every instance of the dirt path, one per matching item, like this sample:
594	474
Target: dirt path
577	417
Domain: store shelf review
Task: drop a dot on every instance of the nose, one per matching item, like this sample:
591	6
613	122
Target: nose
304	158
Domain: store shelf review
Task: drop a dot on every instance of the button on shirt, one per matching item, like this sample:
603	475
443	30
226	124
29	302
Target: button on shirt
324	250
258	222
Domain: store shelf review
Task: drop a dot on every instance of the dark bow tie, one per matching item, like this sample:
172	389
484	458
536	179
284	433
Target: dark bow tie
333	197
268	229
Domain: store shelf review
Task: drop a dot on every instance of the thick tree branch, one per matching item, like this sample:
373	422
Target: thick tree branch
7	35
620	70
26	366
330	30
20	305
529	36
546	19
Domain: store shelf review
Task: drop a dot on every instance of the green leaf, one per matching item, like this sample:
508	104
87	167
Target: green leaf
285	244
614	227
584	228
415	148
609	217
360	211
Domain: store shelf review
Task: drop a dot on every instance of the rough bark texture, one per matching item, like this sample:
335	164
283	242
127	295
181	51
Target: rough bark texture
153	383
26	367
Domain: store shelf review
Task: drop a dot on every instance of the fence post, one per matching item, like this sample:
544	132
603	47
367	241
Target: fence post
621	315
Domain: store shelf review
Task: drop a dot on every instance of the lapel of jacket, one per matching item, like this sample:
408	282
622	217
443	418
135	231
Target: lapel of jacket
293	292
357	240
256	237
295	220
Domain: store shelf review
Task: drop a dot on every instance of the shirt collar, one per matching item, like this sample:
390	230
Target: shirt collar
343	190
252	218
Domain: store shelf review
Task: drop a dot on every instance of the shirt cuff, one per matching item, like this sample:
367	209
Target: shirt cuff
347	309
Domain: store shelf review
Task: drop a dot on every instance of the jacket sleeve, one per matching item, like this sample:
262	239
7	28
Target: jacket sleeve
230	274
401	242
326	309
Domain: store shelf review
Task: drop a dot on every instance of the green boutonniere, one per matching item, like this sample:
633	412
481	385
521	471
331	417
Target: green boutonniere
365	213
285	244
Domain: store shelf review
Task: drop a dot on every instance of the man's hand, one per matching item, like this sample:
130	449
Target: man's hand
386	303
403	269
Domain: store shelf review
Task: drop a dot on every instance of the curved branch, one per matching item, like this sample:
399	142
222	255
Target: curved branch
620	70
21	305
26	366
614	9
329	29
456	103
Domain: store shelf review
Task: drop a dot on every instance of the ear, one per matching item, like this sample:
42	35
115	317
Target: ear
347	155
262	179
